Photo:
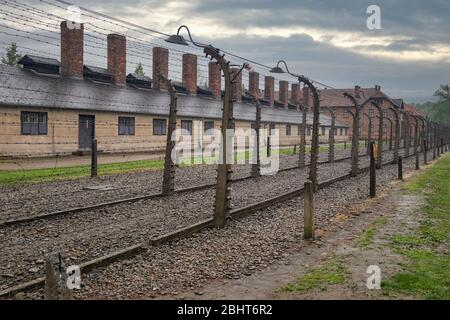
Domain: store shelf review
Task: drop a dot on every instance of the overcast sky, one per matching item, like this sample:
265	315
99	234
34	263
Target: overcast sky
325	40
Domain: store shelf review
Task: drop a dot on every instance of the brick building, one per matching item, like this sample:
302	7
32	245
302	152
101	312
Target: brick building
50	107
334	98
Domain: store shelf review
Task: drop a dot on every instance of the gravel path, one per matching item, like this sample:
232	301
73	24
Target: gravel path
29	199
246	245
90	234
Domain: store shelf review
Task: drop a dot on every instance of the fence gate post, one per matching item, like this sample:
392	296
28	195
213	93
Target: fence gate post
308	216
94	159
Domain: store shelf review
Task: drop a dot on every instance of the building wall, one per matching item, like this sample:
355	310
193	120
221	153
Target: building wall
63	131
347	119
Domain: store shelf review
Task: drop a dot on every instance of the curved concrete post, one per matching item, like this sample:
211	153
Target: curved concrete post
256	165
391	134
407	141
369	133
315	132
397	134
434	138
168	185
331	134
380	134
222	205
302	147
416	134
355	135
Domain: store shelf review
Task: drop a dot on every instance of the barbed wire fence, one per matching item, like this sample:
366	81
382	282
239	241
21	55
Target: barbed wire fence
35	27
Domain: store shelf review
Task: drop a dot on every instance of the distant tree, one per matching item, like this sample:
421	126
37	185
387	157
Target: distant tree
12	56
443	92
139	70
438	111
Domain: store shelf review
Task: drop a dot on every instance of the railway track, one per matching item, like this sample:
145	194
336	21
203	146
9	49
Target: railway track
179	233
59	213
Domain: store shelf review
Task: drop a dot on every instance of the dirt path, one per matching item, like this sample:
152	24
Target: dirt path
358	239
71	161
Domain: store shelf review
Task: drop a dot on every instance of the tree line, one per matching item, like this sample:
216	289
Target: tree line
438	111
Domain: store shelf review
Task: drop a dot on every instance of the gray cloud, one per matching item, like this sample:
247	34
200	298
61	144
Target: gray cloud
421	24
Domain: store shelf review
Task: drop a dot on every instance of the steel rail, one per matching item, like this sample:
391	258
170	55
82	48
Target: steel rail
60	213
184	232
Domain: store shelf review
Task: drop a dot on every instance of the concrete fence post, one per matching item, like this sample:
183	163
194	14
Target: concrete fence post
417	161
400	168
256	163
425	150
373	172
94	159
308	226
55	279
168	185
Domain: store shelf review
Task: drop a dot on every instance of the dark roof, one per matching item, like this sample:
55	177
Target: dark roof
139	81
134	76
336	98
98	74
28	59
278	104
40	65
398	102
204	91
22	88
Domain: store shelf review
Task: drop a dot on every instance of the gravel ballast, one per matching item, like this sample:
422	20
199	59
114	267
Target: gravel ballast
85	236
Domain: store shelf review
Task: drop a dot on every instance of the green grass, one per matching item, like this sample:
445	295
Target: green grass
73	172
43	175
334	272
427	272
366	238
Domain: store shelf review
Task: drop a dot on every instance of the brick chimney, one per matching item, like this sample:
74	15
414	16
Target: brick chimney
295	93
215	79
72	43
190	72
160	66
253	83
117	57
377	88
236	86
284	92
269	89
306	98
